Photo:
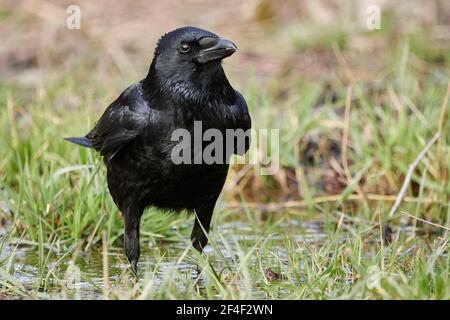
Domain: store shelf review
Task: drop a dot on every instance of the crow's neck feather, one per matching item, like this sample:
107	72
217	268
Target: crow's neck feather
209	85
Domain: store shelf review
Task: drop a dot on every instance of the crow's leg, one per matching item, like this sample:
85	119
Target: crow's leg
132	216
203	219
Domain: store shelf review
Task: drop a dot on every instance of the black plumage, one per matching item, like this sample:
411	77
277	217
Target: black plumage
185	83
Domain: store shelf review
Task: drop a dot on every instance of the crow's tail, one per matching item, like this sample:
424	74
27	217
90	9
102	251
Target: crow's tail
82	141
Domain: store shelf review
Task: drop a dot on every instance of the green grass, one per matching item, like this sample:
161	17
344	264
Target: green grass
341	267
55	206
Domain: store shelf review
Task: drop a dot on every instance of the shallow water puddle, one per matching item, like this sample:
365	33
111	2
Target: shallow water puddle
83	274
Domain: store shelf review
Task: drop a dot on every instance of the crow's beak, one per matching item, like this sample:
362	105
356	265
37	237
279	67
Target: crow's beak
214	49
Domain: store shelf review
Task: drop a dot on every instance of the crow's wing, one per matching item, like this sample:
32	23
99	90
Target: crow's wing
124	120
241	120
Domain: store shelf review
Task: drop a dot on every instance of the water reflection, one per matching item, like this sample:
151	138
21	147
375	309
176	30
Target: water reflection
83	276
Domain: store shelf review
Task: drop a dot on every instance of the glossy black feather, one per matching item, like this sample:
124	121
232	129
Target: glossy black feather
134	136
82	141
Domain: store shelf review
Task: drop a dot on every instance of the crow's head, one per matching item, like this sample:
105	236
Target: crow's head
191	45
188	58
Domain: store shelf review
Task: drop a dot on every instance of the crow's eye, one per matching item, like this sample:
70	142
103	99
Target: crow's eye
185	48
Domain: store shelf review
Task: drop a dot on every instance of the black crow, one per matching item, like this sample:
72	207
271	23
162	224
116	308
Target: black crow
185	83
